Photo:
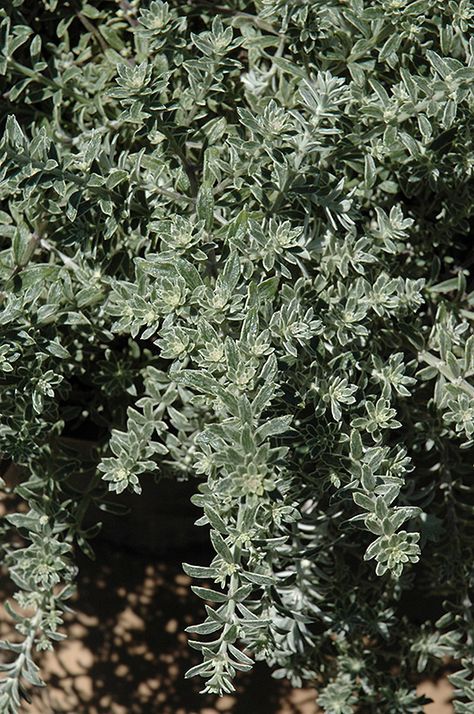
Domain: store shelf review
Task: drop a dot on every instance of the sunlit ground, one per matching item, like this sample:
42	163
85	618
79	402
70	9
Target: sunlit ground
126	651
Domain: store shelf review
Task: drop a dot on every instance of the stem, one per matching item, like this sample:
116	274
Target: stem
27	72
125	6
27	646
93	30
206	85
187	166
261	24
234	582
52	249
86	498
100	190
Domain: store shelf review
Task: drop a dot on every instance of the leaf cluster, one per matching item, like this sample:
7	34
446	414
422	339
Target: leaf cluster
235	245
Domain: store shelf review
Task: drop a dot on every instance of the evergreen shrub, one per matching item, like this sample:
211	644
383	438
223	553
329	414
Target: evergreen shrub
236	249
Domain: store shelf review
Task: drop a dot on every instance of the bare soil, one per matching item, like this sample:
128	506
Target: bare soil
126	651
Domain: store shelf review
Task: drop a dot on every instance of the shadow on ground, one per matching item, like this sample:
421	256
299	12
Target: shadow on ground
126	651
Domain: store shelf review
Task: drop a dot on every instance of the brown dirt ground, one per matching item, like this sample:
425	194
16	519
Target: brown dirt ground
126	651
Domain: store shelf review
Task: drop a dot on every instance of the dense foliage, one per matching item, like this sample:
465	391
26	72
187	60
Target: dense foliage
235	248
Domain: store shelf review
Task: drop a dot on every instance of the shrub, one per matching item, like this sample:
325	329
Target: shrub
235	241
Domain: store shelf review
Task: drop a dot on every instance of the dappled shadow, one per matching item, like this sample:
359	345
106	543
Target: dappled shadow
126	651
